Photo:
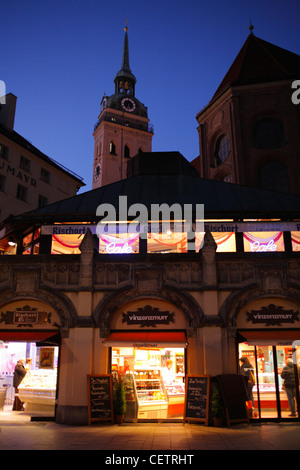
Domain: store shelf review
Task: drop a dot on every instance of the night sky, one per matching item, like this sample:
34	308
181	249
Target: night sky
60	57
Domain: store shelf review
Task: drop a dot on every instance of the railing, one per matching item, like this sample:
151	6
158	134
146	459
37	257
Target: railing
147	127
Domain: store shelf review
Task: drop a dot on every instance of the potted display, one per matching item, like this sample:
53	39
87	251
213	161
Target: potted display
217	407
119	402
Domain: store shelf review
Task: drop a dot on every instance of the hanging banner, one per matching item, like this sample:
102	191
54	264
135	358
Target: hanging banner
77	229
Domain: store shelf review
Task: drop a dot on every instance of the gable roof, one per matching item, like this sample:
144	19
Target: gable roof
260	61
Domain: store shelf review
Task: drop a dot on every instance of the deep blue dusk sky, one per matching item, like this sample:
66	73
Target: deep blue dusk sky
59	57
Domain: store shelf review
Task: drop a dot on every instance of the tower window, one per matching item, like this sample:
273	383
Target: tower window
268	134
222	149
126	152
112	148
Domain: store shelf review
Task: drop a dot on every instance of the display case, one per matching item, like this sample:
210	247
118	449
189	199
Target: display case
38	389
151	396
176	397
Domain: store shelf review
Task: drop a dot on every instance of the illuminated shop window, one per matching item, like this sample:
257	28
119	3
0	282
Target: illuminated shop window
153	378
268	384
66	244
263	242
121	243
168	242
225	241
295	241
31	245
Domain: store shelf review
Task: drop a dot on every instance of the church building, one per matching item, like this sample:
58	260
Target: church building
249	131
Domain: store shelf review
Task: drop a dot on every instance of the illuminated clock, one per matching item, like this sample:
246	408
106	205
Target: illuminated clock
128	104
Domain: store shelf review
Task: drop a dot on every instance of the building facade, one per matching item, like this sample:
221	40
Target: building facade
249	131
170	273
28	178
115	302
122	129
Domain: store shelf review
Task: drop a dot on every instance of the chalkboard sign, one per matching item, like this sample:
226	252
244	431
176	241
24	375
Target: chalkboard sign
100	398
196	398
234	393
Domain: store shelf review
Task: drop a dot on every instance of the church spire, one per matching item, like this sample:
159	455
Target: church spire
125	80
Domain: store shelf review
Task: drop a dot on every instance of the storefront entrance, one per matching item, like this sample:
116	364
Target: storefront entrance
36	394
154	378
276	376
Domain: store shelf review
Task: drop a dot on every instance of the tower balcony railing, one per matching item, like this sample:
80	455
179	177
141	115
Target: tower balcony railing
132	123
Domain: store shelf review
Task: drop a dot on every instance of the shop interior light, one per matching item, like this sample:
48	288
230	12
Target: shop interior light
11	242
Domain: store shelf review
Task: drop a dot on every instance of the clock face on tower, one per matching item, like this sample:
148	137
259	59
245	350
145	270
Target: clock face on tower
128	104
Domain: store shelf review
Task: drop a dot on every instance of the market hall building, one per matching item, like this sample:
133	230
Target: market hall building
155	305
80	303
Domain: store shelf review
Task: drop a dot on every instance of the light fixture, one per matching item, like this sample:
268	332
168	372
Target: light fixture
11	242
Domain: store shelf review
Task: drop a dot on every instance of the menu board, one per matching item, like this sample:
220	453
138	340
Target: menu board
100	398
234	393
197	398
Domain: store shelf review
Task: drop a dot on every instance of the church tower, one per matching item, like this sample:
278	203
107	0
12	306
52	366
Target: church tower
122	130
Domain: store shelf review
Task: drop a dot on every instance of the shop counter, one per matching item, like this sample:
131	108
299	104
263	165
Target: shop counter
176	398
38	390
150	393
37	399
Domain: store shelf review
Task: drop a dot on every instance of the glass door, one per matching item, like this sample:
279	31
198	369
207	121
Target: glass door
275	393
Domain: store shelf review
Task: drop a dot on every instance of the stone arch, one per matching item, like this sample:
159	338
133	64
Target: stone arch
184	302
233	305
60	304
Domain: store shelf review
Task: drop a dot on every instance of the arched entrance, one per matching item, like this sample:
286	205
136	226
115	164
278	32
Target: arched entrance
29	335
147	342
268	333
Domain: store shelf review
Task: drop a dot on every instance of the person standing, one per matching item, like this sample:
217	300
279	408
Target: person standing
19	375
248	371
288	375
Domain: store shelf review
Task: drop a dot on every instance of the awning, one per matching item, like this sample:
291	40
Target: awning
144	339
269	337
10	335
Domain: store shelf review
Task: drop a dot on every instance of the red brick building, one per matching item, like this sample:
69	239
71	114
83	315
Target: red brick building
249	131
